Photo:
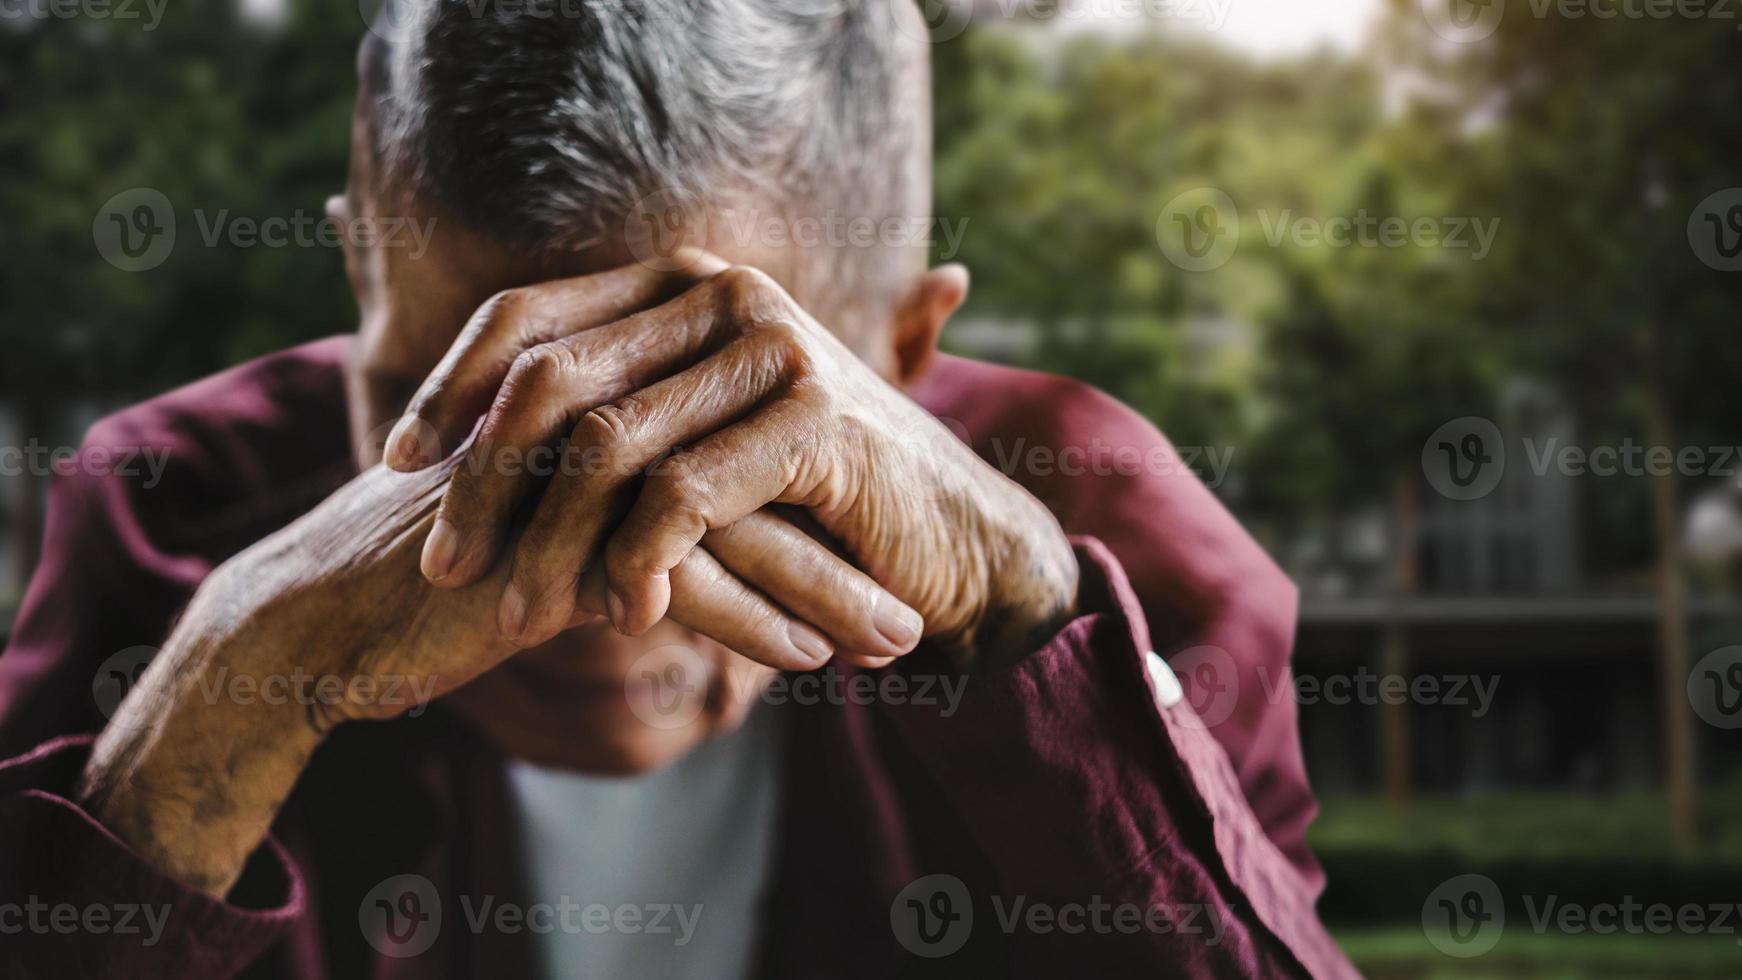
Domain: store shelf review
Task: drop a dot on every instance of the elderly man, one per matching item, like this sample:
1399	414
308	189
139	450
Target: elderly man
643	476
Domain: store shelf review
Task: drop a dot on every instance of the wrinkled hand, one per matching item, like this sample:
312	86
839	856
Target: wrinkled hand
327	621
684	420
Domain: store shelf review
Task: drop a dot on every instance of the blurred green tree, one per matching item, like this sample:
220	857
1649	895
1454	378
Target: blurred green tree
226	119
1602	151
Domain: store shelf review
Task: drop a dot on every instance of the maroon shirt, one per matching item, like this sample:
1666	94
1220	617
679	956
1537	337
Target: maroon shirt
1062	783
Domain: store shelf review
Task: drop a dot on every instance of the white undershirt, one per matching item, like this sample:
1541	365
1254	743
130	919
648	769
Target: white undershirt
662	876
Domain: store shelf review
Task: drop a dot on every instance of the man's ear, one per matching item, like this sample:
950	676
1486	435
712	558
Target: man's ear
920	319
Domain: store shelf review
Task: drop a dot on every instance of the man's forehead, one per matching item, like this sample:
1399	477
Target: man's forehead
465	257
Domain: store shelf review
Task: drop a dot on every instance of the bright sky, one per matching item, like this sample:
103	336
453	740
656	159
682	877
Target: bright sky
1273	27
1266	28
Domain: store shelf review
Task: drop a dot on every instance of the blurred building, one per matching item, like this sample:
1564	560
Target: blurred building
1494	594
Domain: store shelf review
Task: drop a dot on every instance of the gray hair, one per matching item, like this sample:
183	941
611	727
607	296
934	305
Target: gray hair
543	122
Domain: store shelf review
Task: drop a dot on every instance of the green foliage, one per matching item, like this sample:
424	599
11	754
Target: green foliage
1403	953
1063	159
1597	139
1323	367
219	115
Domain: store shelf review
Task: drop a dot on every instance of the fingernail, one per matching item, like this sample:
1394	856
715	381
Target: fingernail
618	617
809	642
512	614
898	624
402	446
439	550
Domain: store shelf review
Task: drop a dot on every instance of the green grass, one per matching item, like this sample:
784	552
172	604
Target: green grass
1404	954
1535	826
1383	862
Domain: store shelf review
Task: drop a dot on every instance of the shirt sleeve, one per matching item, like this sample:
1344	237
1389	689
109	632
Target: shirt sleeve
77	902
1099	794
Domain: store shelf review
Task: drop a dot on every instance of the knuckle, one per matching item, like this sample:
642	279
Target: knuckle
726	539
820	399
501	312
606	438
535	371
608	427
748	292
787	344
689	573
742	280
680	500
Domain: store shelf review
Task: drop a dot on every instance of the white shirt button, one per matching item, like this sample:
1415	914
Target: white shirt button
1167	690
